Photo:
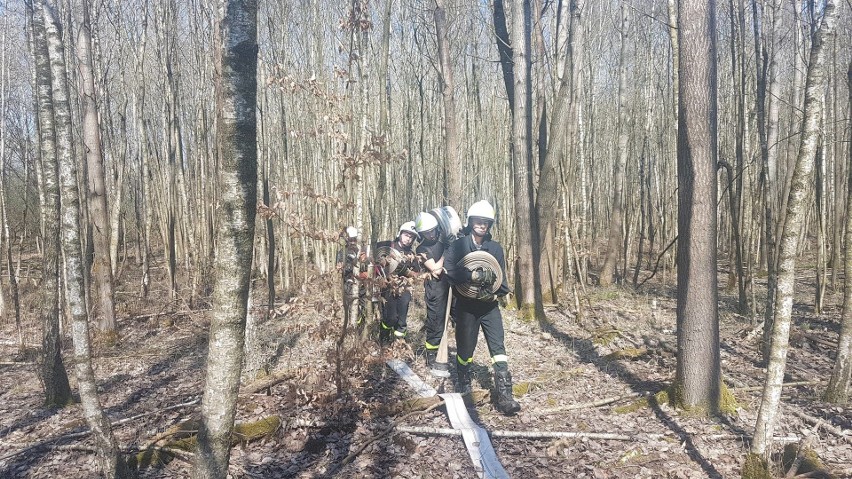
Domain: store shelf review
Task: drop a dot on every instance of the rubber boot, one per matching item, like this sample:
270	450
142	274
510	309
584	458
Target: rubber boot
503	385
384	335
431	357
439	370
463	379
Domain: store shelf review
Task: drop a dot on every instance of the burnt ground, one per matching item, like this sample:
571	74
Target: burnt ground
152	380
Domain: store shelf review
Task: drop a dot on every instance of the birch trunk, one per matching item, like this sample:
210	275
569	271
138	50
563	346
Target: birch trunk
56	387
789	239
109	454
236	134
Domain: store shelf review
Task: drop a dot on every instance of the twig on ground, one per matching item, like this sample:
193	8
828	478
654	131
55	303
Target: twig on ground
444	431
828	427
786	385
385	432
593	404
76	435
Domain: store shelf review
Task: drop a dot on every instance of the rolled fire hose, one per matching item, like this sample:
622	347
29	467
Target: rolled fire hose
484	260
394	260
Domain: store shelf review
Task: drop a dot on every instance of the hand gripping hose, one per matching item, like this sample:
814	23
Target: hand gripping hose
480	259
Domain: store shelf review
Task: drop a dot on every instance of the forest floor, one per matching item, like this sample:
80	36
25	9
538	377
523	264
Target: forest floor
152	380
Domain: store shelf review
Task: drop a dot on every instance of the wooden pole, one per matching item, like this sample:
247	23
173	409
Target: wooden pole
442	349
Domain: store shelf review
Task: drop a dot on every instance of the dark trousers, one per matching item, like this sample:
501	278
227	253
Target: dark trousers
396	311
437	292
471	315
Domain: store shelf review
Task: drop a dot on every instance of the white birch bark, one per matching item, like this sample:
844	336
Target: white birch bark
789	239
236	132
109	455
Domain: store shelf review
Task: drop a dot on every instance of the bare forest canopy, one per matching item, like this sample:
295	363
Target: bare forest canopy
351	120
701	144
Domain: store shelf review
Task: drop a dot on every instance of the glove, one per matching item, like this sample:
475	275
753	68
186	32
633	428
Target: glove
363	275
482	277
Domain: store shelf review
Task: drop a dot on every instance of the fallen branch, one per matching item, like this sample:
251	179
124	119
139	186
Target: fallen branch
272	379
383	433
745	437
804	445
443	431
602	402
589	435
825	425
822	341
168	408
164	313
76	435
786	385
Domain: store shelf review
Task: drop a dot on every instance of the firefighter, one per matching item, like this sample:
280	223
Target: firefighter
431	254
352	263
396	290
483	312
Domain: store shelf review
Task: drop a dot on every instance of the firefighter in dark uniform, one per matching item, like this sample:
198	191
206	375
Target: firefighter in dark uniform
351	262
471	314
436	286
396	290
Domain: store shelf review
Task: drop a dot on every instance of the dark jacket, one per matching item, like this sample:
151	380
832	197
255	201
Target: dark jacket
432	250
461	248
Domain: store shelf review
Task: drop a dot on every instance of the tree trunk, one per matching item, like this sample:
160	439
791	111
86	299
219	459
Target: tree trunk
529	298
504	49
452	187
616	224
672	31
75	292
698	369
767	129
13	275
236	134
738	66
789	240
56	387
98	214
547	199
837	391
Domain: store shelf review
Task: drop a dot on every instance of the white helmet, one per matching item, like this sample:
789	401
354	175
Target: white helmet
407	227
480	209
425	222
351	232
